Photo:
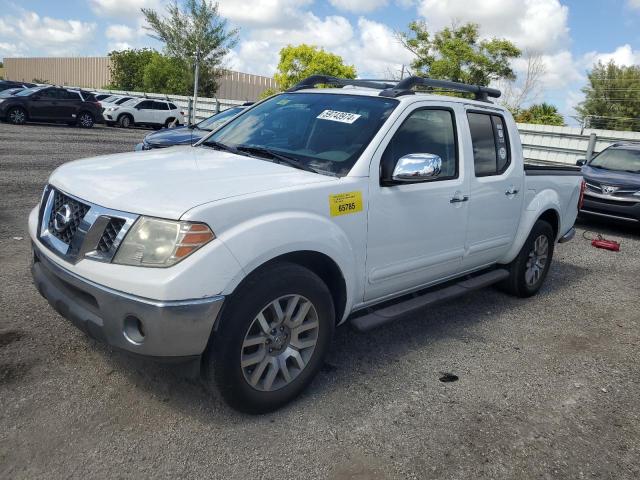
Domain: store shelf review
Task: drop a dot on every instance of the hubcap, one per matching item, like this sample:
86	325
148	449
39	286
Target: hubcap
85	120
537	261
17	116
279	343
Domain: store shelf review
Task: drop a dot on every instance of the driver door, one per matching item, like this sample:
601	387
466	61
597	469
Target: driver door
417	230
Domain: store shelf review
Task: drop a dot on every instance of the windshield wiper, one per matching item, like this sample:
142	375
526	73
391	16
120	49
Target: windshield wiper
278	157
223	146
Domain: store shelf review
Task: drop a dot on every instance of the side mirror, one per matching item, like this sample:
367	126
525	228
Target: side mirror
417	167
581	162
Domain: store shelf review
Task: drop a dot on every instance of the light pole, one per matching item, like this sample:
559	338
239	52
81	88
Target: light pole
195	86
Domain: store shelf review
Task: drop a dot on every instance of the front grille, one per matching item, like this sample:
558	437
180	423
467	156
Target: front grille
110	233
78	211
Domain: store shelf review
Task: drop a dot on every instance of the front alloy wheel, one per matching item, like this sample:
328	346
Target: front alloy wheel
279	343
272	337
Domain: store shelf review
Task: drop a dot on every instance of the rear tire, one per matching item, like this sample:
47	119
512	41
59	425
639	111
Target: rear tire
125	121
530	268
17	116
169	122
273	335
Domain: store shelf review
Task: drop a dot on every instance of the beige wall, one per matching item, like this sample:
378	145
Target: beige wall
93	72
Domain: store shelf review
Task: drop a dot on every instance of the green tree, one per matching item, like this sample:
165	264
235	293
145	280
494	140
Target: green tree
612	97
542	114
127	68
165	74
197	30
301	61
458	54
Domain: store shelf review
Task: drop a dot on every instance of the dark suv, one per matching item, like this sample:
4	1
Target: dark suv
52	104
613	183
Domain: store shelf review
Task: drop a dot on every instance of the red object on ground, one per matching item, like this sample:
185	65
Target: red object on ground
600	242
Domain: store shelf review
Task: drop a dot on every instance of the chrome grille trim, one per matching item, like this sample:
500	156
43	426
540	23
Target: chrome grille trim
88	239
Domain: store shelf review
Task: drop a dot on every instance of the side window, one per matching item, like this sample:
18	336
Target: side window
49	93
160	106
425	131
146	105
491	153
67	95
172	107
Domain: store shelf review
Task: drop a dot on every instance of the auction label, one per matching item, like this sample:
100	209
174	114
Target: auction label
336	116
345	203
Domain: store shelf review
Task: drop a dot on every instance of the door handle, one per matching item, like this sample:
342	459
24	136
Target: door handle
512	191
459	199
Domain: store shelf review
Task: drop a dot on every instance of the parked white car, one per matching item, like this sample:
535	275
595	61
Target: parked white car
311	208
144	111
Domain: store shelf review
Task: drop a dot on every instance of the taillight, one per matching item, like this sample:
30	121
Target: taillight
583	187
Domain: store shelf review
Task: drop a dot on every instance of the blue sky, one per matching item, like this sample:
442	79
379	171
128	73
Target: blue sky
566	35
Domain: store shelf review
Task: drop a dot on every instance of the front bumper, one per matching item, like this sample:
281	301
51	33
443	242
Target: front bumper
139	325
626	211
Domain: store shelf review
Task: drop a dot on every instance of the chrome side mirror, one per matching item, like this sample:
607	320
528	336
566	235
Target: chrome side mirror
417	167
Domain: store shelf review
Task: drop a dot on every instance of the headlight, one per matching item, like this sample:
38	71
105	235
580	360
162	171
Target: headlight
152	242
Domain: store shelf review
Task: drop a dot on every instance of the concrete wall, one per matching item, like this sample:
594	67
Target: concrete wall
93	72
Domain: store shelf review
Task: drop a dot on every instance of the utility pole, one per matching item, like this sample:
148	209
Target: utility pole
195	85
402	72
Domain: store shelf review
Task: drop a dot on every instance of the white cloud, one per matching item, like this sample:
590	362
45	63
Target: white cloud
262	13
539	25
31	33
358	6
10	50
634	3
125	9
624	55
119	32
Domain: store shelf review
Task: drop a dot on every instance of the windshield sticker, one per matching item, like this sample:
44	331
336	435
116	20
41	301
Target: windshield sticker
503	153
284	101
345	203
335	116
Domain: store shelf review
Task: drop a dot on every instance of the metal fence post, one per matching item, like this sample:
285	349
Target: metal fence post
190	112
592	145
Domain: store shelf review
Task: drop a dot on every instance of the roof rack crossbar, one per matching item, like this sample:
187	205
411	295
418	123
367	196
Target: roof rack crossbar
394	88
313	80
403	87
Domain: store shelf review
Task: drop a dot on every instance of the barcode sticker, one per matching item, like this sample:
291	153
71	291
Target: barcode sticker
336	116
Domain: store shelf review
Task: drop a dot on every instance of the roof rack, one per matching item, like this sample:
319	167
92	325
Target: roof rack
394	88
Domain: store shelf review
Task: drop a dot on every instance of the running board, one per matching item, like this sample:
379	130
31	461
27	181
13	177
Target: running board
376	318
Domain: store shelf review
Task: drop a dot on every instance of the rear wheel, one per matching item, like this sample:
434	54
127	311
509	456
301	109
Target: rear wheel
125	121
17	115
272	339
170	123
529	269
85	120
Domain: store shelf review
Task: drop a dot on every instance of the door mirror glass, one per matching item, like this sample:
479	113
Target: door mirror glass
417	167
581	162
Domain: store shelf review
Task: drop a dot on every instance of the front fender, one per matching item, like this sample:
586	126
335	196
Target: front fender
261	239
535	204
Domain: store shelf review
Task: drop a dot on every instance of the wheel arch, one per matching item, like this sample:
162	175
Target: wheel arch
322	265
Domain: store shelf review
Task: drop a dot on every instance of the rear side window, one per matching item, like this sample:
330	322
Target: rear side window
172	107
146	105
160	106
67	95
491	153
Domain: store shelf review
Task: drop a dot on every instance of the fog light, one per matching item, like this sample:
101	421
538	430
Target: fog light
133	330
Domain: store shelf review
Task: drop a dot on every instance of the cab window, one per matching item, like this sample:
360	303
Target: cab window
491	155
426	130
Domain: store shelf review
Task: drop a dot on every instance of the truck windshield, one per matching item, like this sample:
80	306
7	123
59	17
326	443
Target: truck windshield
624	160
321	131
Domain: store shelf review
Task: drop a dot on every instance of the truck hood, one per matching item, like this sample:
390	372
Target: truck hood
168	182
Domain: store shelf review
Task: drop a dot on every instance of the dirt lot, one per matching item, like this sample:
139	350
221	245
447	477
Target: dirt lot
548	387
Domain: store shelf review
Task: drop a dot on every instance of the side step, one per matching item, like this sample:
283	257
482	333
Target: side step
376	318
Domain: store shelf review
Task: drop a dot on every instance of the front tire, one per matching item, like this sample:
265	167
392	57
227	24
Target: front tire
125	121
17	116
530	268
272	338
85	120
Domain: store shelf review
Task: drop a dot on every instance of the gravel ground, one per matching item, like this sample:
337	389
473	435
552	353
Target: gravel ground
548	387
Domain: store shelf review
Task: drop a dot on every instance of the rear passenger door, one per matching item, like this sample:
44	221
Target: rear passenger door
161	112
495	189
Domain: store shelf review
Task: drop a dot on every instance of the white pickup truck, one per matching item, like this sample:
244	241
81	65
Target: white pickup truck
362	203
